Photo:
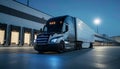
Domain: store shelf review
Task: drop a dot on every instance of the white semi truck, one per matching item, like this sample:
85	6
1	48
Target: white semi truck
64	32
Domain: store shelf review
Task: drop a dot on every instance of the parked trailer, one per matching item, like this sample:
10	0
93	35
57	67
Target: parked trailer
64	32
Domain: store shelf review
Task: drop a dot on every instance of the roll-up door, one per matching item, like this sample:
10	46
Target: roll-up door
27	38
14	37
2	34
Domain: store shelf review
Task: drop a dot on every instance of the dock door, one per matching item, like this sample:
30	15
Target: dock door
15	35
27	37
2	33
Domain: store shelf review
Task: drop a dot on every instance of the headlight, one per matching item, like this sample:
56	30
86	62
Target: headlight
34	40
53	40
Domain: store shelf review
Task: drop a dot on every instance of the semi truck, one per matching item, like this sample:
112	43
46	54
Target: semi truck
64	33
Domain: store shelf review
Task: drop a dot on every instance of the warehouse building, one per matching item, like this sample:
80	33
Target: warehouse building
19	24
116	38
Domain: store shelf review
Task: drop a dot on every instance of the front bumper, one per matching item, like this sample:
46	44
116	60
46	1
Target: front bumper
47	47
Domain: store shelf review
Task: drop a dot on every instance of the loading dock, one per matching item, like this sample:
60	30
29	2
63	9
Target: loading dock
14	22
14	37
2	33
27	36
15	32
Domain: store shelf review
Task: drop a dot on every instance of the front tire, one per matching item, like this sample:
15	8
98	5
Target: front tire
62	46
40	52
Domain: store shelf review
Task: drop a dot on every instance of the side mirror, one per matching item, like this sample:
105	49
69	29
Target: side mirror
41	30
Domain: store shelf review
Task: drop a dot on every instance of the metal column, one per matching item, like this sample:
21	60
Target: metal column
21	37
32	38
8	35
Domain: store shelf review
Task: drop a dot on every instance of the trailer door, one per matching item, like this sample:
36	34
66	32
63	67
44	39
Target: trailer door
2	34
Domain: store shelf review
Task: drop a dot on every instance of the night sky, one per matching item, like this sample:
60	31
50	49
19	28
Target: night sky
87	10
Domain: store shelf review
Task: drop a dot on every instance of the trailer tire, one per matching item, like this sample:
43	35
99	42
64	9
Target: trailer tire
91	45
79	45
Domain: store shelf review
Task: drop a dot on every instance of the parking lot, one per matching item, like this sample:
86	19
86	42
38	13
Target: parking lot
106	57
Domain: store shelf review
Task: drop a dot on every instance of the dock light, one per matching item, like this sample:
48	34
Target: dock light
97	22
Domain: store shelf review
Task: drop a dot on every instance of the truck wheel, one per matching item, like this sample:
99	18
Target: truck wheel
62	48
91	45
40	52
78	45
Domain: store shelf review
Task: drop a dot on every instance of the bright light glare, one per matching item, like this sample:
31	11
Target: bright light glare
97	21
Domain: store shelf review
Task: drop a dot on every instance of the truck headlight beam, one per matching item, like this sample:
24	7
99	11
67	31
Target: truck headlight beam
53	40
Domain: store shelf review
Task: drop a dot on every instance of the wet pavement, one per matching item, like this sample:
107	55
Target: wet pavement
28	58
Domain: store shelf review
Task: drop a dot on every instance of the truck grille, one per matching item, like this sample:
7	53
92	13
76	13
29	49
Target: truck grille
42	39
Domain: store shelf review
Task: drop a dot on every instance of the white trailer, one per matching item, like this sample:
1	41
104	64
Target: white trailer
64	32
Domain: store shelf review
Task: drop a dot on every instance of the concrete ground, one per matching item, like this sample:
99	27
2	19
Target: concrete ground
106	57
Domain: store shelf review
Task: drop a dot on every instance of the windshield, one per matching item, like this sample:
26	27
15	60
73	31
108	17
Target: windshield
55	25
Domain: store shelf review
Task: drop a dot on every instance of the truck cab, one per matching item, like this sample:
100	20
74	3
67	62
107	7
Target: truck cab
62	33
53	36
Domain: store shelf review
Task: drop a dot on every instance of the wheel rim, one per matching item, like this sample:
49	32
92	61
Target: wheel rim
62	45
